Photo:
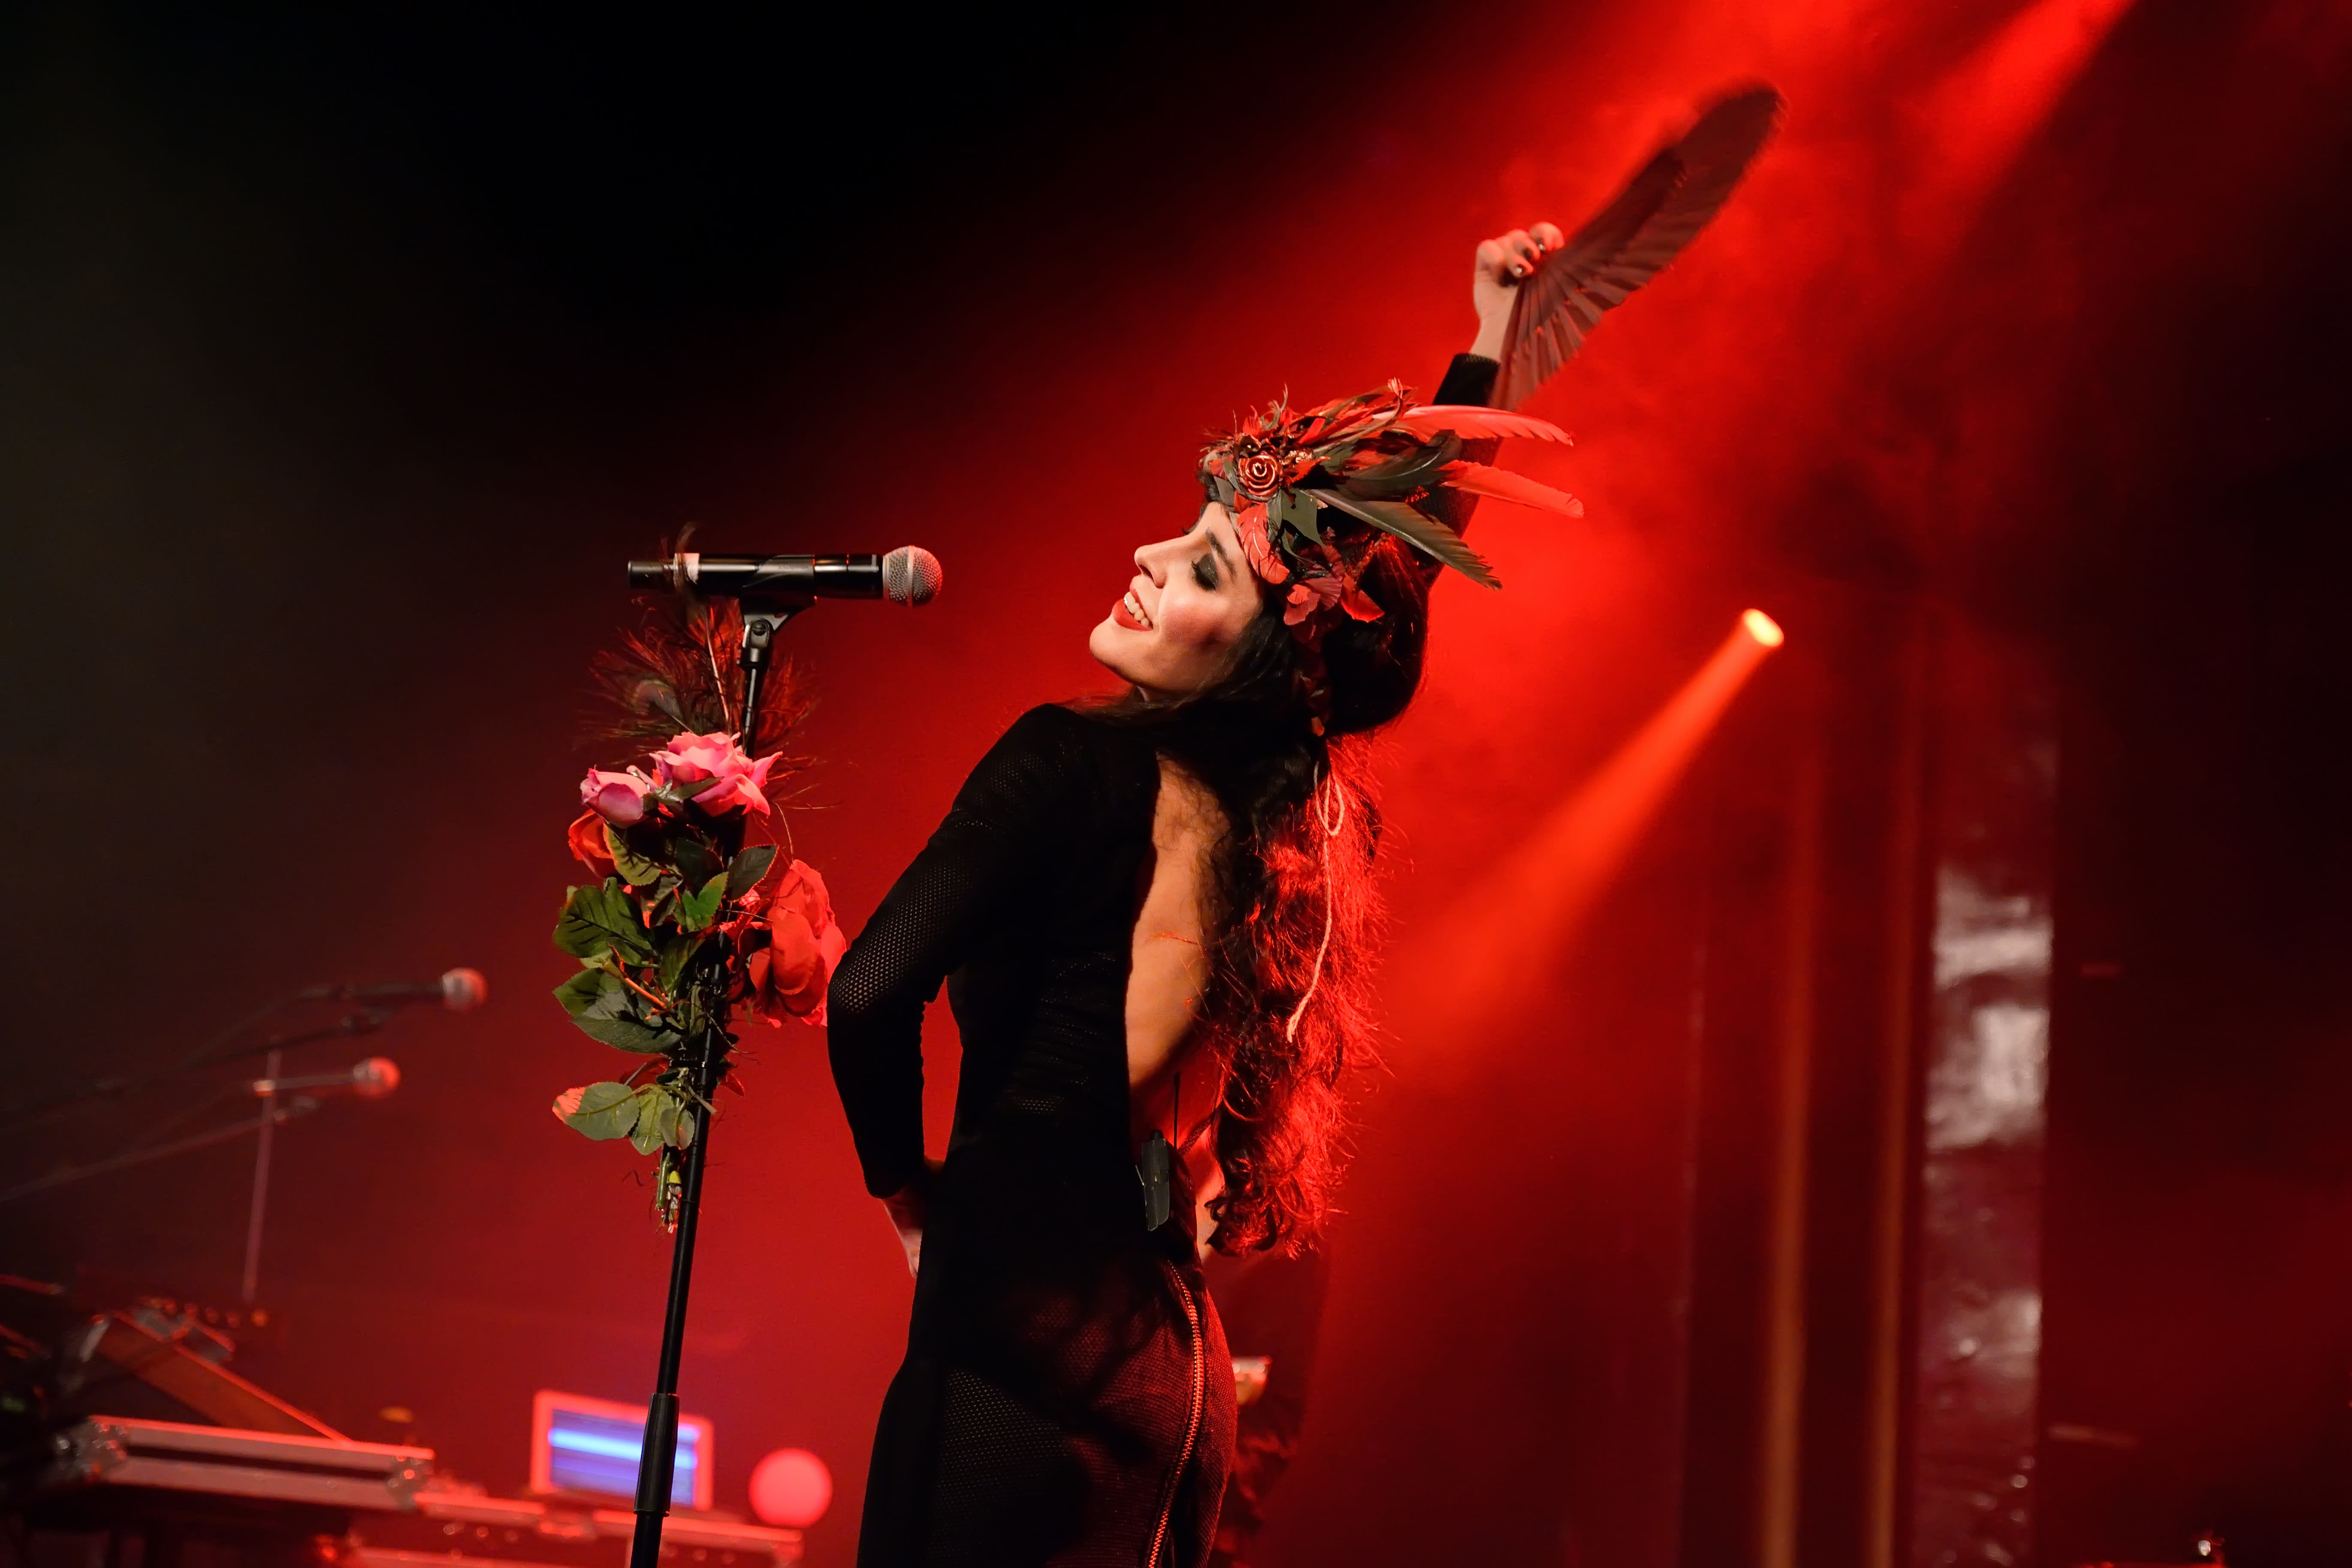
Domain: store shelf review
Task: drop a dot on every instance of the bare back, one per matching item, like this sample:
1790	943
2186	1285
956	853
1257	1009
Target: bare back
1169	973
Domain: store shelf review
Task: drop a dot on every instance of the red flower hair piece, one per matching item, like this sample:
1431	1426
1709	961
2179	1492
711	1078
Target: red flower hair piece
1308	490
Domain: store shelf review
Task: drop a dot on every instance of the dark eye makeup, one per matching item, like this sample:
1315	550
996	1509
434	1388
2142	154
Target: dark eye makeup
1204	572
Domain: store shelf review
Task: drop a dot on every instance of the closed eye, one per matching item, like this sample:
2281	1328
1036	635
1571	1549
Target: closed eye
1204	572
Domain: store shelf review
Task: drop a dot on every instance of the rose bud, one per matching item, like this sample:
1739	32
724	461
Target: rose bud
586	835
618	798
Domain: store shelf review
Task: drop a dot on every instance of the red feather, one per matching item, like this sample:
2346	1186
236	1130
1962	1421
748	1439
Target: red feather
1478	479
1472	423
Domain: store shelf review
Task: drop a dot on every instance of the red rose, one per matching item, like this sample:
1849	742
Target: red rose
789	976
586	835
1258	475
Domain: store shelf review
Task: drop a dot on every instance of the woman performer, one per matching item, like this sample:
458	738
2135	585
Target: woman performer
1154	914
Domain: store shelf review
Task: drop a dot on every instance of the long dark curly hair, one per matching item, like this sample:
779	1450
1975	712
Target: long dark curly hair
1293	913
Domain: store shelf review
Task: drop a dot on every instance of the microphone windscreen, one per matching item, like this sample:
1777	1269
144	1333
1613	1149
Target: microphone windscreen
375	1077
463	990
911	575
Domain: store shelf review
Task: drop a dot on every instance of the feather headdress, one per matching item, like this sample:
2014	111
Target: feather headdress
1308	490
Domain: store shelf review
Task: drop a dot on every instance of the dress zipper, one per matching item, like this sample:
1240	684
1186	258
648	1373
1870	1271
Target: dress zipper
1200	1392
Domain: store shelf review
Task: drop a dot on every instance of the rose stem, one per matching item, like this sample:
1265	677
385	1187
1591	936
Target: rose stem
660	1006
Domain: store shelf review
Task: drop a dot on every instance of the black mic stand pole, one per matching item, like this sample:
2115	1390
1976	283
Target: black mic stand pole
657	1461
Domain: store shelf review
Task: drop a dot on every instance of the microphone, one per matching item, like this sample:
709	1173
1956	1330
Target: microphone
907	575
370	1079
460	991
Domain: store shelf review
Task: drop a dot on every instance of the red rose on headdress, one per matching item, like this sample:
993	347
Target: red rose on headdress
1258	475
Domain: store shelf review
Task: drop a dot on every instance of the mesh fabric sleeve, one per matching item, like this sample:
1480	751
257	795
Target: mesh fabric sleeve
1470	380
987	859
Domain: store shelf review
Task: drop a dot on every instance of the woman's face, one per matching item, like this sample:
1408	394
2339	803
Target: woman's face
1192	598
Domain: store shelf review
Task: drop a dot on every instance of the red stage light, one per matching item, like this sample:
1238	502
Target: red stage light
1492	949
791	1488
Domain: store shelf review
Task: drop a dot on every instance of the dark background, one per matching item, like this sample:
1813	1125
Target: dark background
343	358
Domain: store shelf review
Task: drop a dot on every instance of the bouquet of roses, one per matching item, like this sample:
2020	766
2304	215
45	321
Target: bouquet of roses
685	920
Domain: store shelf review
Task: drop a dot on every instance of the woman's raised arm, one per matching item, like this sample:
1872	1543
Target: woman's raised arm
1494	277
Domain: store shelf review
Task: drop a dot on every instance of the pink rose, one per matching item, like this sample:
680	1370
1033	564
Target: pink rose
789	976
715	761
618	798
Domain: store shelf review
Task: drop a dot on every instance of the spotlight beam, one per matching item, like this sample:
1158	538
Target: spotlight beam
1489	952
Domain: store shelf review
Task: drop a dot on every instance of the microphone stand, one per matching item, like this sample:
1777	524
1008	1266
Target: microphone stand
278	1114
223	1047
249	1281
365	1022
658	1460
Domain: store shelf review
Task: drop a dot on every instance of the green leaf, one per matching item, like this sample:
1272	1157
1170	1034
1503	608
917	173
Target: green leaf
1296	508
656	1121
696	910
585	990
606	1010
748	868
605	1110
696	860
677	953
597	918
636	871
683	1138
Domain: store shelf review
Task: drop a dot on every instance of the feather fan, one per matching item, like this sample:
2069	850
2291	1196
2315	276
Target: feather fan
1631	241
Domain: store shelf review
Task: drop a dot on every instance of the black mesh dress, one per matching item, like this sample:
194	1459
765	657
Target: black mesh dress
1066	1395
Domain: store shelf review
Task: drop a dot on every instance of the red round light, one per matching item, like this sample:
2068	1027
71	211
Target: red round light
791	1488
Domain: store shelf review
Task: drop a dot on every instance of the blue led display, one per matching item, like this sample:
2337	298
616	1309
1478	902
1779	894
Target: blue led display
599	1454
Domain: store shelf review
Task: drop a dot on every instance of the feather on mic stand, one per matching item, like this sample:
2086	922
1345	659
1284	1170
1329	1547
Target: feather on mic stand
657	1461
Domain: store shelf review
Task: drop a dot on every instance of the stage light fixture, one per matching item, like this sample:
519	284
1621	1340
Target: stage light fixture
1763	628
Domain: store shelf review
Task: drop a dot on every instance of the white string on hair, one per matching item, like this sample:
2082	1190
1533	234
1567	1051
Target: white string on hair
1332	821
